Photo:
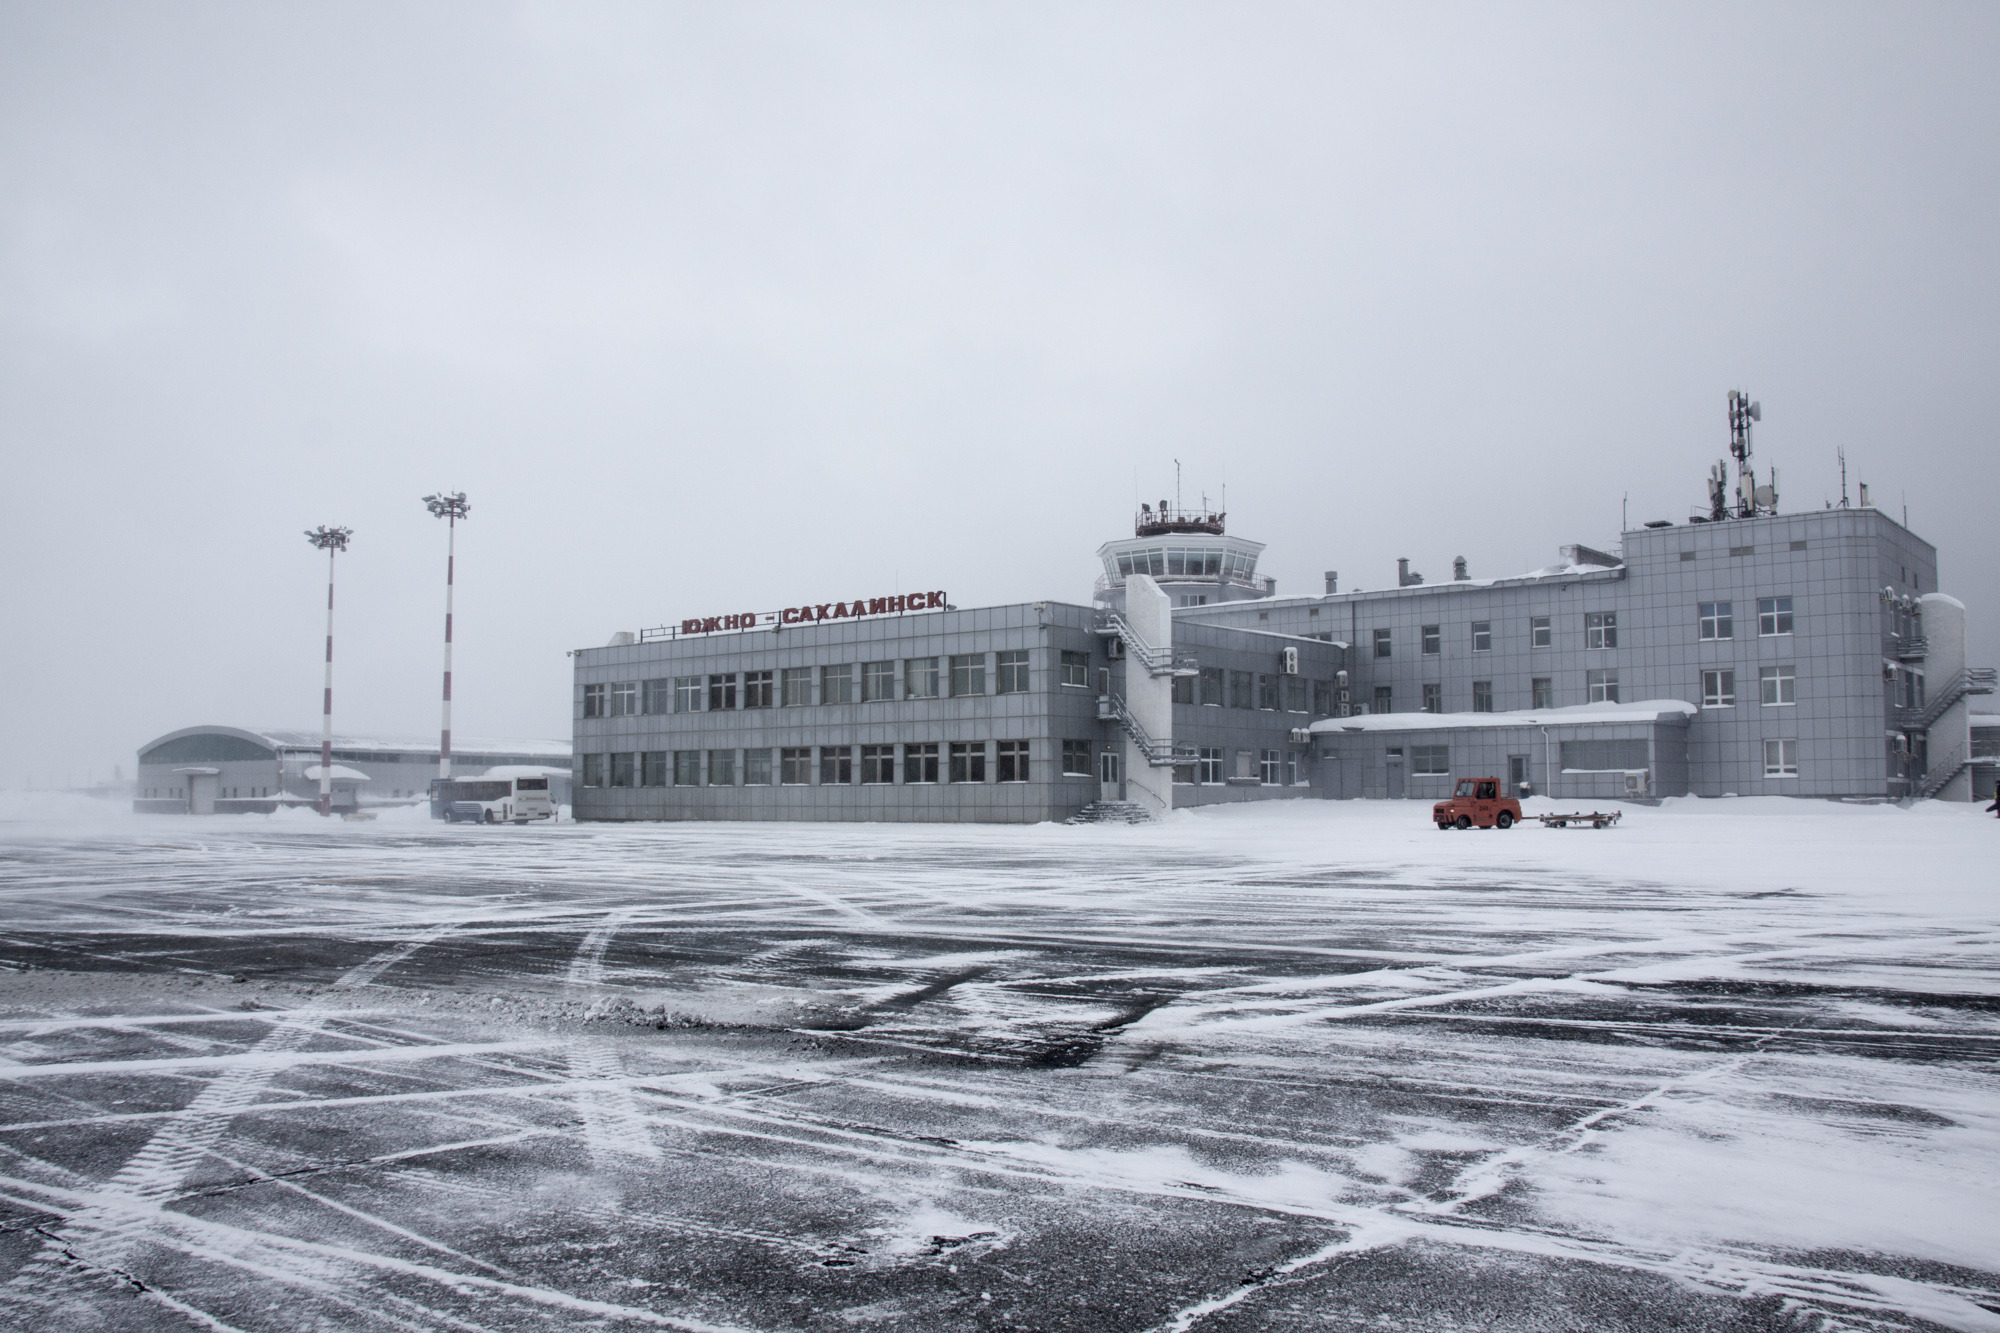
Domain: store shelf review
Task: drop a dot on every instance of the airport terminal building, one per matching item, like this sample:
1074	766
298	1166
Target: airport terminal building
1806	654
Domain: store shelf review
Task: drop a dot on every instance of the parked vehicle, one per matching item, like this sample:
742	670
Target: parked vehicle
515	800
1477	803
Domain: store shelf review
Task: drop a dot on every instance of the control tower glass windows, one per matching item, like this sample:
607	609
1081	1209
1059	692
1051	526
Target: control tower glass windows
795	687
1076	669
1433	640
1012	670
968	674
920	678
1717	619
1600	629
878	681
1774	616
1384	643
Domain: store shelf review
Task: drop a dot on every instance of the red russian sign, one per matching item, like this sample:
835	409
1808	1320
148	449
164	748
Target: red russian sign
812	613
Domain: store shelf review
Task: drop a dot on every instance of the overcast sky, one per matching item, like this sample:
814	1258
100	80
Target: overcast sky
732	307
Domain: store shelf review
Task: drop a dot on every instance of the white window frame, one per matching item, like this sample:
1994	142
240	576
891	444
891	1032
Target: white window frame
1718	688
1541	632
1600	630
1781	757
1601	685
1209	766
1482	636
1778	618
1778	686
1715	621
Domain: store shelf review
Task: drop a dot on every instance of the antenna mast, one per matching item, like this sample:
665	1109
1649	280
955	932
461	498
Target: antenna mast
1842	452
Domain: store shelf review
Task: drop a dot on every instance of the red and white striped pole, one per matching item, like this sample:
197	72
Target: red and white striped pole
450	506
332	541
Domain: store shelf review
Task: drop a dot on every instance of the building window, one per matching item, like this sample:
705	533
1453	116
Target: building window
1211	687
722	692
920	762
1600	629
1433	698
593	770
1385	699
624	771
1013	761
1183	689
593	701
968	674
1383	644
920	678
722	768
1240	687
1076	759
795	765
1781	759
1482	696
757	689
1270	767
1012	672
1482	636
653	769
1322	698
625	698
687	768
757	767
836	684
1267	692
1718	689
1778	686
687	694
1430	761
878	764
1433	640
968	761
1774	616
1076	669
1295	769
656	696
1542	692
1603	685
1539	633
1718	620
878	681
1183	775
1209	766
1295	694
795	687
836	765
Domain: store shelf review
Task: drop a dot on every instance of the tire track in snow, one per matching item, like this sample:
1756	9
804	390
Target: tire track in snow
124	1212
614	1127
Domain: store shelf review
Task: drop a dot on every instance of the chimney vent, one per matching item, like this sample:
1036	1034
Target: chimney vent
1458	574
1404	578
1332	582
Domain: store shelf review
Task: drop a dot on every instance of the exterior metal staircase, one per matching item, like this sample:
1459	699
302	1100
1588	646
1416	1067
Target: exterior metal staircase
1933	781
1157	661
1159	754
1972	680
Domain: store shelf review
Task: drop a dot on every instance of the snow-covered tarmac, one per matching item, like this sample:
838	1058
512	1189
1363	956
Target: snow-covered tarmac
1312	1066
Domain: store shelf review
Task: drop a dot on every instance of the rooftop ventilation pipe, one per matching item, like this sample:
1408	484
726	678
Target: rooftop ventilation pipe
1332	582
1458	574
1404	578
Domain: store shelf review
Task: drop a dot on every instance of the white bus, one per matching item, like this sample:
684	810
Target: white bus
491	799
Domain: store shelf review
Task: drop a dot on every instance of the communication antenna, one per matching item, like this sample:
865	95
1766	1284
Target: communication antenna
1842	452
1741	413
1177	483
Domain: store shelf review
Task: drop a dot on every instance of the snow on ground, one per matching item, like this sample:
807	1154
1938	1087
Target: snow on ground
1730	1064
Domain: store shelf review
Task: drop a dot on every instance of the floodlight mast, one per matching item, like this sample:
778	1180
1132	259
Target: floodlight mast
333	541
450	506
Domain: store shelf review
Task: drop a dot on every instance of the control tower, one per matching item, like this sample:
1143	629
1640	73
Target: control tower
1186	552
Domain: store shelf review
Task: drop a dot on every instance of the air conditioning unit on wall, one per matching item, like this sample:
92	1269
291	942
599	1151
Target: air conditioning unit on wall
1291	661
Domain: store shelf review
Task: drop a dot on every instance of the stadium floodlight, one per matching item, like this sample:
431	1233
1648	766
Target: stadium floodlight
333	541
450	506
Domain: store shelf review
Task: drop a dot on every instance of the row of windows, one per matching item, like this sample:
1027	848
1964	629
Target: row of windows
1257	690
1266	768
1716	620
1781	757
1777	686
921	763
224	793
792	687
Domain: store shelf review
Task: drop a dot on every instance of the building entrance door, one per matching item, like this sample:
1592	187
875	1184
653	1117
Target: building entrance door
1395	775
202	788
1109	786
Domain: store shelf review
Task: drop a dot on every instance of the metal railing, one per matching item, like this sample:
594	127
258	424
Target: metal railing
1939	775
1972	680
1157	661
1905	647
1159	754
1260	584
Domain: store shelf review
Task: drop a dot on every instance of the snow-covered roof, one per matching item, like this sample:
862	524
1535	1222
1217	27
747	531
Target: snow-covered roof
1643	710
339	773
